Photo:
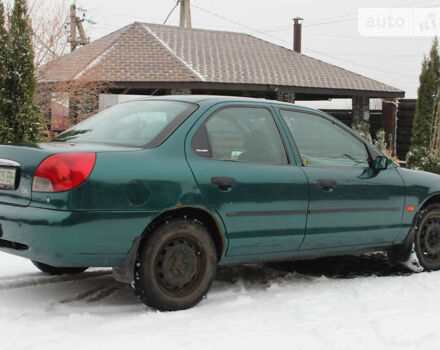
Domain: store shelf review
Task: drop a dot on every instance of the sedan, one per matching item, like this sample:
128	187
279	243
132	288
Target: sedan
165	189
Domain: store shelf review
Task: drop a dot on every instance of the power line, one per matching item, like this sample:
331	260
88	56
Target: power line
331	20
155	19
129	15
360	64
311	50
373	54
172	10
350	37
395	6
227	19
340	19
262	32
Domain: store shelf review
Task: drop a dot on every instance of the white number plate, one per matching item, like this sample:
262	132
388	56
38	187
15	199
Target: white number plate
7	178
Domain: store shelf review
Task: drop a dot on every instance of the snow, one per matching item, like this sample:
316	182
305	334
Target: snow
338	303
188	65
95	62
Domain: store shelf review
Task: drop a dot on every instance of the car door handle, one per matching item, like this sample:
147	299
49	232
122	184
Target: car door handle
223	183
327	184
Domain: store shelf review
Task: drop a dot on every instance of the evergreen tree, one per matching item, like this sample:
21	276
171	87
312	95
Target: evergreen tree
3	41
21	115
429	83
419	155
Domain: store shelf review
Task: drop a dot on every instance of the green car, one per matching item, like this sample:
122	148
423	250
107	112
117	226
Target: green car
164	189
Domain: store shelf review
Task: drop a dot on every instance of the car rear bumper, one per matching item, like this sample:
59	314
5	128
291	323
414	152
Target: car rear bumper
70	238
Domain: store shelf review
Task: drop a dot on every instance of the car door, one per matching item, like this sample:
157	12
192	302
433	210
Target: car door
350	203
240	163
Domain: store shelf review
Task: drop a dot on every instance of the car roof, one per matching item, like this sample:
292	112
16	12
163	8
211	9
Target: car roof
214	99
209	98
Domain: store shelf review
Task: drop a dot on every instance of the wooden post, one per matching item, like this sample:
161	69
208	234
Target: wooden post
76	24
72	40
82	34
389	122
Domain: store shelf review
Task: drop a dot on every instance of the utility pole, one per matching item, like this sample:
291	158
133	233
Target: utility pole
76	23
72	38
185	14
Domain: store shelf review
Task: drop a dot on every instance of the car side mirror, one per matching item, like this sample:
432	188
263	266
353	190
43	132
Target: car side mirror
381	163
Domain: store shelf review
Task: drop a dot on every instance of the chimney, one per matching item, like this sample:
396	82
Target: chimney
297	29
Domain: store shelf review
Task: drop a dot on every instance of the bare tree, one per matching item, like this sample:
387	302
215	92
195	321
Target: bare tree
62	103
49	19
70	102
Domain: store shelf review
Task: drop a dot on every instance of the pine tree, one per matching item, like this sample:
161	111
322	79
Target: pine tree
429	83
419	155
21	115
3	41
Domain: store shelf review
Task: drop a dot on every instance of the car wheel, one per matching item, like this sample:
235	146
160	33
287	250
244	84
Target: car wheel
427	238
53	270
175	265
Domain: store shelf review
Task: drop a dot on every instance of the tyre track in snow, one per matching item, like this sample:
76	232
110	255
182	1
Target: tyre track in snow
336	267
97	285
18	276
26	282
94	295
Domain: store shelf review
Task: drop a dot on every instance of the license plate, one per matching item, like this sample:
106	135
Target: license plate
7	178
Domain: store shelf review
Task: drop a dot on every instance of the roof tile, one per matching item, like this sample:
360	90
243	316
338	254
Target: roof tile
145	52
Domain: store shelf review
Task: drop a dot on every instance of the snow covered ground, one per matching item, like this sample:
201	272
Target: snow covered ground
339	303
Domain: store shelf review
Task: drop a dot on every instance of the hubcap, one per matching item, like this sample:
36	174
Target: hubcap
430	239
178	265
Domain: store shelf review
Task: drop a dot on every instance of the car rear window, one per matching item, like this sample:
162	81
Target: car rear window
137	123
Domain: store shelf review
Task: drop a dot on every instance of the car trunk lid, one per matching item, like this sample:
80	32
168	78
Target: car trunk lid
21	161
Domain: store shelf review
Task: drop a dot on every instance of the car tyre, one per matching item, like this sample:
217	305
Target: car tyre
175	265
53	270
427	238
424	252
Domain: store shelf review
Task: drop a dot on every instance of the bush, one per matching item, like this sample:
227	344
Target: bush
380	142
419	158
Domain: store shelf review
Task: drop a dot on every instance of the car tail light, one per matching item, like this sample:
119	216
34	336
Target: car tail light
63	172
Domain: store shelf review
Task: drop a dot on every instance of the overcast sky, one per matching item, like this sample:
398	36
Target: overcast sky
330	30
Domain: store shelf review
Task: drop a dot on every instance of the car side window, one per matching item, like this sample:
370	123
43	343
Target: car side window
247	134
323	143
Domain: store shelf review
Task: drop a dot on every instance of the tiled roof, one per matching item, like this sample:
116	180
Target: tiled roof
143	52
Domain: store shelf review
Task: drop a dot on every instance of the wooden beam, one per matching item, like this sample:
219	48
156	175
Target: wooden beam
323	93
329	93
